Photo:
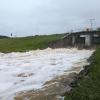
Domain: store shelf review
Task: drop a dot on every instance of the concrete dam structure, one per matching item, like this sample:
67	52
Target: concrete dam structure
80	39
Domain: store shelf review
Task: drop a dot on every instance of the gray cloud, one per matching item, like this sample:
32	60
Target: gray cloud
30	17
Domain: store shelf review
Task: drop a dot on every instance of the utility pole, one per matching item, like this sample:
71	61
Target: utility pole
11	34
91	23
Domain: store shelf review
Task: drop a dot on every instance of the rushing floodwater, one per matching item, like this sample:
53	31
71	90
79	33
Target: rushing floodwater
30	70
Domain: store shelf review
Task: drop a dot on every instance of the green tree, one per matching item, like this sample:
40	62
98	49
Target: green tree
98	29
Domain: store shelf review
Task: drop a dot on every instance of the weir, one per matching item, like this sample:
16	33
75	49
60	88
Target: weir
81	39
86	38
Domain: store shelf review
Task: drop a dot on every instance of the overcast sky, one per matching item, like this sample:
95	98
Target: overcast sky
31	17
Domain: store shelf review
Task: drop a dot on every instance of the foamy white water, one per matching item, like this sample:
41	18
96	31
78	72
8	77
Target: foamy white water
30	70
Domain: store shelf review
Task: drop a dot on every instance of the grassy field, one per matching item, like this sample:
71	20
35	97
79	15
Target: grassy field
27	43
88	87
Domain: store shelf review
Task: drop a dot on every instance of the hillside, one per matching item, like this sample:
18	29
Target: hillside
27	43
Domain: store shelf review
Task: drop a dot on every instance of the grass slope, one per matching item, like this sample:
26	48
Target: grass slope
88	87
27	43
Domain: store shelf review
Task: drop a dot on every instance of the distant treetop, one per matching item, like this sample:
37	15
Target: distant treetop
1	37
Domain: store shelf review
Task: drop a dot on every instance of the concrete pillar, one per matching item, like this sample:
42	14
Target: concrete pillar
73	40
88	40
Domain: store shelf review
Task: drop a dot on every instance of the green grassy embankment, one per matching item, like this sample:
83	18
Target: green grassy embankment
27	43
88	87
